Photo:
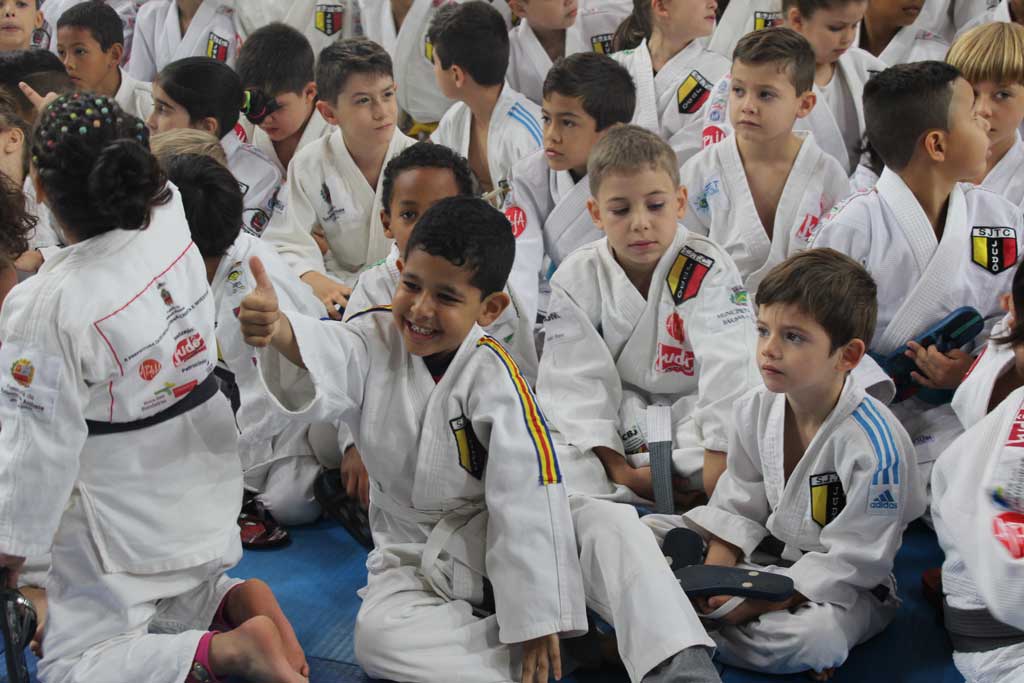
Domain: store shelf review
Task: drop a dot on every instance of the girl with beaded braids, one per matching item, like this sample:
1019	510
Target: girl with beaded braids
106	379
202	93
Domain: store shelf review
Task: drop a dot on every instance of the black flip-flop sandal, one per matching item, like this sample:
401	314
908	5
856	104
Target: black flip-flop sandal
259	529
18	624
685	548
337	505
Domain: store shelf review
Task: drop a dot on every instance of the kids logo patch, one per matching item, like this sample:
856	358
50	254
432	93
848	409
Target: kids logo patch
1015	439
808	227
693	92
329	19
23	372
601	43
994	249
217	47
767	20
1008	529
188	348
687	274
674	326
674	359
739	296
472	455
517	219
827	497
711	135
149	369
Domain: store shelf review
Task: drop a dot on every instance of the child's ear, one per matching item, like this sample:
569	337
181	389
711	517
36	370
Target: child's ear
327	111
794	19
494	305
208	124
659	8
595	213
400	264
459	77
116	53
518	8
309	92
39	18
851	354
807	102
935	144
12	141
682	196
385	220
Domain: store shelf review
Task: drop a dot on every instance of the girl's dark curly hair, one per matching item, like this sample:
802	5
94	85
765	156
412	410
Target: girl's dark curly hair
16	224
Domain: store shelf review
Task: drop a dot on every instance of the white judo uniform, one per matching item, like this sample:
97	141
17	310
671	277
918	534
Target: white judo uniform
980	12
972	398
609	353
1007	177
321	22
113	330
316	128
983	539
135	97
258	179
326	190
912	44
529	62
53	9
158	40
513	328
722	207
413	56
837	119
921	279
740	18
465	489
671	102
277	459
840	515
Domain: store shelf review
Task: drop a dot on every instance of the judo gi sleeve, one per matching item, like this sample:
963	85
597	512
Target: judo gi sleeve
142	62
291	231
522	212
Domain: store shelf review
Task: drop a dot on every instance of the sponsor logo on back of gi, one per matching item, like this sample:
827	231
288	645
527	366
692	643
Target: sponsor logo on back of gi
149	369
884	501
172	389
188	348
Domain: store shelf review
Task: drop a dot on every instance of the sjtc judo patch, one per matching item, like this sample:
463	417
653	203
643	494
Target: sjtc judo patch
994	249
827	497
601	43
693	92
767	20
217	47
329	19
687	274
472	455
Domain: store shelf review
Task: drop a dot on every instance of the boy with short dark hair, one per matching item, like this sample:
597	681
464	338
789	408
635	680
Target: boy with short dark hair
760	194
652	317
277	65
334	183
90	41
479	449
821	478
933	243
20	19
53	10
585	94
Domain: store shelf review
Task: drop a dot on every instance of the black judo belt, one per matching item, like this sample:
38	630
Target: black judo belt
206	390
976	630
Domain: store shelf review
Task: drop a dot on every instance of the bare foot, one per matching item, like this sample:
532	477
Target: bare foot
254	598
38	598
253	652
824	675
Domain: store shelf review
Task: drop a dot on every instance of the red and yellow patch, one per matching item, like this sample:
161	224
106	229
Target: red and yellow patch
535	424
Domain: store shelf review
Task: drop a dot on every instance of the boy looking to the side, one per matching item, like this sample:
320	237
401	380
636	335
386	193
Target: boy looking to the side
18	20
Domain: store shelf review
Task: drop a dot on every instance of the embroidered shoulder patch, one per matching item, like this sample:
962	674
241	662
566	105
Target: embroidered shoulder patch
601	43
472	455
329	19
687	274
827	497
767	20
217	47
693	92
994	248
30	382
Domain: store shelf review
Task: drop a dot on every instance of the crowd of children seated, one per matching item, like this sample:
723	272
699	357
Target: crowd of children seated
554	305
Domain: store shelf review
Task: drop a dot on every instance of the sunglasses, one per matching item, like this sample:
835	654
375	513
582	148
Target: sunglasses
257	106
18	623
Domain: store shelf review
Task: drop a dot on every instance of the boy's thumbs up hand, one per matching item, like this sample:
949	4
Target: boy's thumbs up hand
259	314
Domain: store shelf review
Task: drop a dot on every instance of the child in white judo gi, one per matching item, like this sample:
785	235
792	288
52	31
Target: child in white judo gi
890	31
198	92
322	23
90	42
761	193
276	65
840	72
651	315
821	478
490	124
585	94
334	183
551	29
740	18
991	58
19	19
110	346
978	511
168	30
1004	10
665	48
933	243
126	11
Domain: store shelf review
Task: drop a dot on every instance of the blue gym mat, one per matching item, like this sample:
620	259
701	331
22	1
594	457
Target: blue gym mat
316	578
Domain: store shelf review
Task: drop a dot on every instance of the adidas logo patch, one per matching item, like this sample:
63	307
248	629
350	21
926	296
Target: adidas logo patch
884	501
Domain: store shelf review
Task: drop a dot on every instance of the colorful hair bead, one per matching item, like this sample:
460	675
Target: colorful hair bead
83	130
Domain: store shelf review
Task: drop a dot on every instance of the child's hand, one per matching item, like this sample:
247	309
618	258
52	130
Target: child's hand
355	478
541	656
941	370
38	101
329	291
13	565
30	261
259	314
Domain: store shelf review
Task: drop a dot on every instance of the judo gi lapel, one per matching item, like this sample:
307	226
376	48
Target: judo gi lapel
822	122
568	226
898	49
935	260
534	52
199	39
679	87
638	62
752	229
623	302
